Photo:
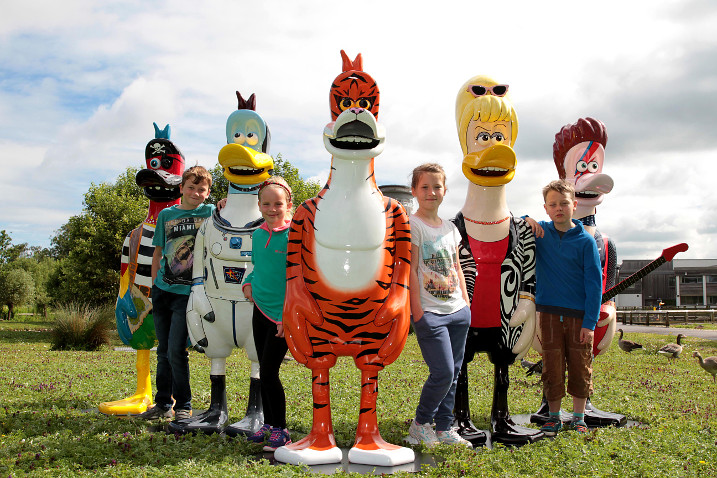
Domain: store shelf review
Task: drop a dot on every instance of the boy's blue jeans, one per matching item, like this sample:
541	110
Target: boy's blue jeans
170	324
442	339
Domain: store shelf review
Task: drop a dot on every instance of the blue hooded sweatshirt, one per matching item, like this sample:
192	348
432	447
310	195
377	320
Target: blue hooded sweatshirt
568	275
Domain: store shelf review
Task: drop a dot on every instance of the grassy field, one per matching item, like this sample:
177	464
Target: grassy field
49	425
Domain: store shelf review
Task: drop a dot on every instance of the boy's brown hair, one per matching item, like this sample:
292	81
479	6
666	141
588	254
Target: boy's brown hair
197	174
561	186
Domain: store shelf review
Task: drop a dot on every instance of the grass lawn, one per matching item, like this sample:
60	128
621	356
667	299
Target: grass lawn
48	425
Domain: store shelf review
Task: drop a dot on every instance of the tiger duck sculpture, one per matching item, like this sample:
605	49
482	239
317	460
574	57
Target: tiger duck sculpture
348	263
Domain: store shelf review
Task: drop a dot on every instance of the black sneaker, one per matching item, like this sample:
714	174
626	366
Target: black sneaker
155	413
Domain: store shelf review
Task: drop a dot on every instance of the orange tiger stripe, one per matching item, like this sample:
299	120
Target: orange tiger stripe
347	324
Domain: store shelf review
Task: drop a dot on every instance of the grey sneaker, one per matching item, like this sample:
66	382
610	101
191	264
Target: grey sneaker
451	437
155	413
423	433
182	414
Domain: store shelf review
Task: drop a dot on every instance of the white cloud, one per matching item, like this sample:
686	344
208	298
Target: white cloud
82	84
105	139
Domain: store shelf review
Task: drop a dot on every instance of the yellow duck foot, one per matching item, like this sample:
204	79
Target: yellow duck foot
133	405
393	456
308	456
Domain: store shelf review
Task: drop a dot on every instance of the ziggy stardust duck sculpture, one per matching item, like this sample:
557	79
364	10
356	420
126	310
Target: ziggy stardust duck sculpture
348	262
160	183
218	315
497	254
579	155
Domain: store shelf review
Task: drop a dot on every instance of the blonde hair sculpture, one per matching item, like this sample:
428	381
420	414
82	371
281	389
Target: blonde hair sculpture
487	108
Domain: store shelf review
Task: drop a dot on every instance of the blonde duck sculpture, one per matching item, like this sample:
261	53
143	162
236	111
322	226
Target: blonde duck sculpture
497	254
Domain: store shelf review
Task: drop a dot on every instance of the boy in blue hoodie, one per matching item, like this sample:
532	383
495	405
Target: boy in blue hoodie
567	299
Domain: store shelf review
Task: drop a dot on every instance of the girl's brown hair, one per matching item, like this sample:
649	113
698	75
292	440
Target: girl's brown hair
427	168
279	182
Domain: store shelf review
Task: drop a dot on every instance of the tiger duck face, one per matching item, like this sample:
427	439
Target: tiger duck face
354	99
355	134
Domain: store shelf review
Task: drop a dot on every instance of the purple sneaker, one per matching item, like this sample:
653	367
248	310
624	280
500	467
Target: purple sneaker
279	437
260	435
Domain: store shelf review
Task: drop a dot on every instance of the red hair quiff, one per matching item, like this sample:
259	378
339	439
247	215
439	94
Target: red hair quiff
584	129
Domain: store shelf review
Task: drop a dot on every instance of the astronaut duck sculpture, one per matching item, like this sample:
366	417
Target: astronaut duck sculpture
160	182
348	262
497	254
218	315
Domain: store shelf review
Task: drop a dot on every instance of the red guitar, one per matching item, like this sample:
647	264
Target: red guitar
667	255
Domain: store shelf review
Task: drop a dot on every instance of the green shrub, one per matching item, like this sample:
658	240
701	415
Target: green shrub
82	327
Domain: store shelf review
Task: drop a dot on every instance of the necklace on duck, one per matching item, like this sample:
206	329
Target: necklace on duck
588	220
486	223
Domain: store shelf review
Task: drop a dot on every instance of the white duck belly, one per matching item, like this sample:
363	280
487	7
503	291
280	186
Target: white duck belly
349	241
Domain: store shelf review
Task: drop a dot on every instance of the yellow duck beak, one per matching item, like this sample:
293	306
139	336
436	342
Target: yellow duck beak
494	166
244	165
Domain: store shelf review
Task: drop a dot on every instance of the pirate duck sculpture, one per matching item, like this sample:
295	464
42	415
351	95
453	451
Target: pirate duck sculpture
160	182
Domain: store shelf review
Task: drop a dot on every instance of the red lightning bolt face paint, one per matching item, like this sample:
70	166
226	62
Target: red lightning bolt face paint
587	162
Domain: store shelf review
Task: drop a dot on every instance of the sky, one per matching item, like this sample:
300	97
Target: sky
81	83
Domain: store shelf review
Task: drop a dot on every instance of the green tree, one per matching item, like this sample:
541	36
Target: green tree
220	184
89	245
35	260
41	275
16	288
9	251
301	189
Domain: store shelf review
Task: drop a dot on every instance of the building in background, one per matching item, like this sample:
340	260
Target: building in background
689	283
401	194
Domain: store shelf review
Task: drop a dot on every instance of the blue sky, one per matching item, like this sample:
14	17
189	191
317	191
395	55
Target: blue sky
82	81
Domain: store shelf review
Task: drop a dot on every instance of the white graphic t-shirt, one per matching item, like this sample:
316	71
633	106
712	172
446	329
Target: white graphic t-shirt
437	270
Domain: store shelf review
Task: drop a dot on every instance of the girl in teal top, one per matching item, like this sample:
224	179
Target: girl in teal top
265	286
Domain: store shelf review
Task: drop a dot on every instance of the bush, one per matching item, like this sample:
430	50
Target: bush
82	327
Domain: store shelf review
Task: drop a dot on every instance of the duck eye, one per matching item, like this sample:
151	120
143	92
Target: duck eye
483	138
154	163
593	166
252	139
346	103
364	103
498	138
581	167
239	138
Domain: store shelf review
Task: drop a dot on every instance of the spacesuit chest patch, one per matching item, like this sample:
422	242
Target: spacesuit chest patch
233	275
235	243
